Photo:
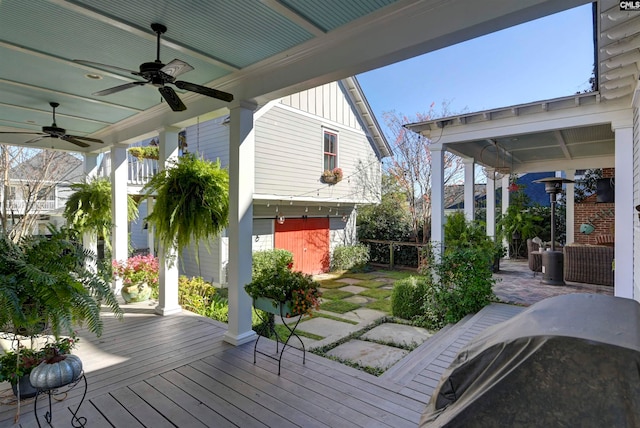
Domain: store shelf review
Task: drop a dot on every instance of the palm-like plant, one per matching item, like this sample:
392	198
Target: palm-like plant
45	281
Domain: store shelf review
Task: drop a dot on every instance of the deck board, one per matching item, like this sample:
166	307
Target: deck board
176	371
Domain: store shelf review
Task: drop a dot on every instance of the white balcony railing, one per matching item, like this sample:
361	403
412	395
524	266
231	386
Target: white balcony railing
141	171
40	205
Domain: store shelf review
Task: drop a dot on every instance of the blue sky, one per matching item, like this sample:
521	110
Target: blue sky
547	58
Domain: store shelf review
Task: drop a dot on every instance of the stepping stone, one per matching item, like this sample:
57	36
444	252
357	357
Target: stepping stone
363	315
399	334
368	354
326	327
350	280
358	300
353	289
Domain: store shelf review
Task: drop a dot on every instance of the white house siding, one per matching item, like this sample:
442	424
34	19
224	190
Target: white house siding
636	202
210	138
138	237
289	157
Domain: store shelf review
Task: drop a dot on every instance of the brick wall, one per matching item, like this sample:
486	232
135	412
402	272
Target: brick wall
599	215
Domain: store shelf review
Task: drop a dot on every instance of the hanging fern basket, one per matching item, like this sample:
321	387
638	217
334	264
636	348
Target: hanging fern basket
192	201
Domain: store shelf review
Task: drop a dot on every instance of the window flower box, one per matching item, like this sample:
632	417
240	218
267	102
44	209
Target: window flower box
331	176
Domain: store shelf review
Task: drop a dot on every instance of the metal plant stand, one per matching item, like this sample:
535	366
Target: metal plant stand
76	422
267	327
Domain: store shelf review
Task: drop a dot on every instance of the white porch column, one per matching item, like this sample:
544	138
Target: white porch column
491	207
469	188
437	198
241	188
151	237
90	240
505	206
120	228
167	257
571	204
624	211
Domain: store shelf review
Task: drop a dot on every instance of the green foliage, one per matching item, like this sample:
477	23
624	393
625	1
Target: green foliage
195	294
407	297
88	208
338	306
265	262
192	201
350	257
588	185
145	152
464	287
460	233
46	282
521	220
274	279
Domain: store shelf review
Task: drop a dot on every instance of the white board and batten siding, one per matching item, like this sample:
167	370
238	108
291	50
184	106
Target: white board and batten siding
636	202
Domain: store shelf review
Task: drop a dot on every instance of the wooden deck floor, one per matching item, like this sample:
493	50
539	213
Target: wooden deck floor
176	371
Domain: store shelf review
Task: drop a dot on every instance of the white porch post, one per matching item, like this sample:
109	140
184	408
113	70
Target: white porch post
491	207
241	188
505	205
571	203
90	240
469	188
167	257
624	210
437	198
151	237
120	228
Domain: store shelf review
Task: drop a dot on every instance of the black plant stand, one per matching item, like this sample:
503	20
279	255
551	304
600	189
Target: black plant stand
76	422
267	327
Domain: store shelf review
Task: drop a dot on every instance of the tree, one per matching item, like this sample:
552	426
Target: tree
410	165
30	178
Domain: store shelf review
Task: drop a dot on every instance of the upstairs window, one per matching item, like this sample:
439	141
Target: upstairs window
330	150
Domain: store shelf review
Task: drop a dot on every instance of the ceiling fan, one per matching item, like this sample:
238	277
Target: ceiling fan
159	75
54	132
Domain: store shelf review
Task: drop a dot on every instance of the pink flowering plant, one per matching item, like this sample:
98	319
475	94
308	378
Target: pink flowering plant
137	269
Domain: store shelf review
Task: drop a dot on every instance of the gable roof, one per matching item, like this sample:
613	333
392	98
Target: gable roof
61	167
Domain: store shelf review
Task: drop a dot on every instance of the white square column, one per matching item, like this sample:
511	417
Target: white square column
570	191
120	228
624	211
469	189
241	188
90	239
437	199
167	256
506	240
491	207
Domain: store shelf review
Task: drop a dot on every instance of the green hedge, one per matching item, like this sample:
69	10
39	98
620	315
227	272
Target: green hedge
350	257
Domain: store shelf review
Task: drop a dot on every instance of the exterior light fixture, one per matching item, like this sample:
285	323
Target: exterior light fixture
281	219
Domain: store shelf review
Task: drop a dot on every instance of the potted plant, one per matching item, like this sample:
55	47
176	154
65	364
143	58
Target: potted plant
47	284
88	208
144	152
192	201
139	276
331	176
280	290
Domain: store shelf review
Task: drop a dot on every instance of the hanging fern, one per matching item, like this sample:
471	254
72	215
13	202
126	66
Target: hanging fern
192	201
88	209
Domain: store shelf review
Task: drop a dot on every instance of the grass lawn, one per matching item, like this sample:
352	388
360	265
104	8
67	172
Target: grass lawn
397	274
373	283
338	306
383	305
336	294
376	293
332	283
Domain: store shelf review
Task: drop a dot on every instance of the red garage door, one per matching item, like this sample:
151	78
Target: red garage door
308	240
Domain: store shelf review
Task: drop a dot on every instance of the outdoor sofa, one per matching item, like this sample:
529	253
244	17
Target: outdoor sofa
590	264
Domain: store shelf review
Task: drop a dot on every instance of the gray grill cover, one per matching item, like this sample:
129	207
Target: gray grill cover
567	361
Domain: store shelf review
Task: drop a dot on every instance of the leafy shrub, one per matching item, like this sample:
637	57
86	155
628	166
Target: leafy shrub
195	295
464	287
350	257
407	297
269	261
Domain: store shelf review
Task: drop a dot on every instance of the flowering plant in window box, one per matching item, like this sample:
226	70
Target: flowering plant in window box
331	176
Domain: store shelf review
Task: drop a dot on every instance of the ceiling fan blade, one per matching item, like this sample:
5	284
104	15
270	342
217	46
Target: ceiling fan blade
72	140
176	68
91	140
26	132
210	92
172	99
118	88
33	140
100	65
